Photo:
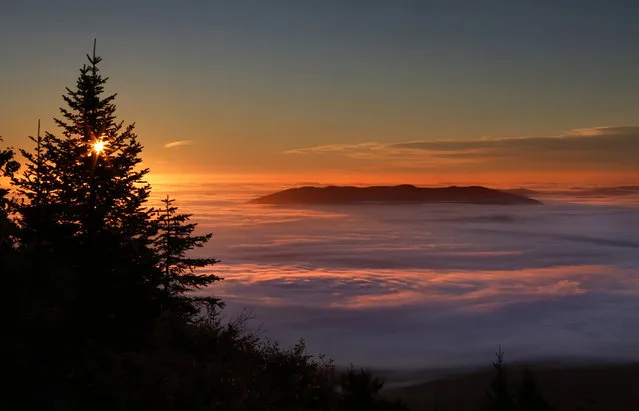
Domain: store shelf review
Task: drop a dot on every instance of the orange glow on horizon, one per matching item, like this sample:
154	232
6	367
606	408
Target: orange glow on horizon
348	177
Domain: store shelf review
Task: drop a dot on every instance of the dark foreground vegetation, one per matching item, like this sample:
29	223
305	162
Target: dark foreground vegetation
610	387
98	310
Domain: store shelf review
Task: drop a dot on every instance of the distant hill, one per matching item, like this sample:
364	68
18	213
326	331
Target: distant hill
394	194
597	387
522	192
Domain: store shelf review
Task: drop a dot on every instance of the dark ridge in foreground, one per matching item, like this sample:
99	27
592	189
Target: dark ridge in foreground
393	194
610	387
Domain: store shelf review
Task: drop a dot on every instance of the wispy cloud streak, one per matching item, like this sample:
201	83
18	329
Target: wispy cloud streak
592	148
179	143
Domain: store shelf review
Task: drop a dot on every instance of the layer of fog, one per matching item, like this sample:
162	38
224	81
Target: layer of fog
430	286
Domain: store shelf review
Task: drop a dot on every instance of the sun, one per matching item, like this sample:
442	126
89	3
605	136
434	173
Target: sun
99	146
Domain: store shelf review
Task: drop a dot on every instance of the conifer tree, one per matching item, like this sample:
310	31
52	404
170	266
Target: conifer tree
175	238
92	298
92	284
85	196
499	398
33	176
98	161
35	188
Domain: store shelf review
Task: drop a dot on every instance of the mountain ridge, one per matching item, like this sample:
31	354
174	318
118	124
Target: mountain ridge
403	193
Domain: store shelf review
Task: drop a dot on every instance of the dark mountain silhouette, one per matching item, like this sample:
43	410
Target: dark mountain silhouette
522	192
393	194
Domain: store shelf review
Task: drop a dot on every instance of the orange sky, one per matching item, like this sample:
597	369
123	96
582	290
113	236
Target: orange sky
497	180
336	93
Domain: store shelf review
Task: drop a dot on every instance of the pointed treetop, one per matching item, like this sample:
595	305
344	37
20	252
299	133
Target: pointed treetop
93	59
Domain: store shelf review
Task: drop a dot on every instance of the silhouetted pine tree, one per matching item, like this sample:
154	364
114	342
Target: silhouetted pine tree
92	183
175	238
499	397
38	221
90	272
100	291
97	162
43	283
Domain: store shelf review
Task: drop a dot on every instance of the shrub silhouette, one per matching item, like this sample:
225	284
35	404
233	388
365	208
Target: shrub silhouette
530	397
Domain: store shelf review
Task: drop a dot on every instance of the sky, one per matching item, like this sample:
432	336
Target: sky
324	91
